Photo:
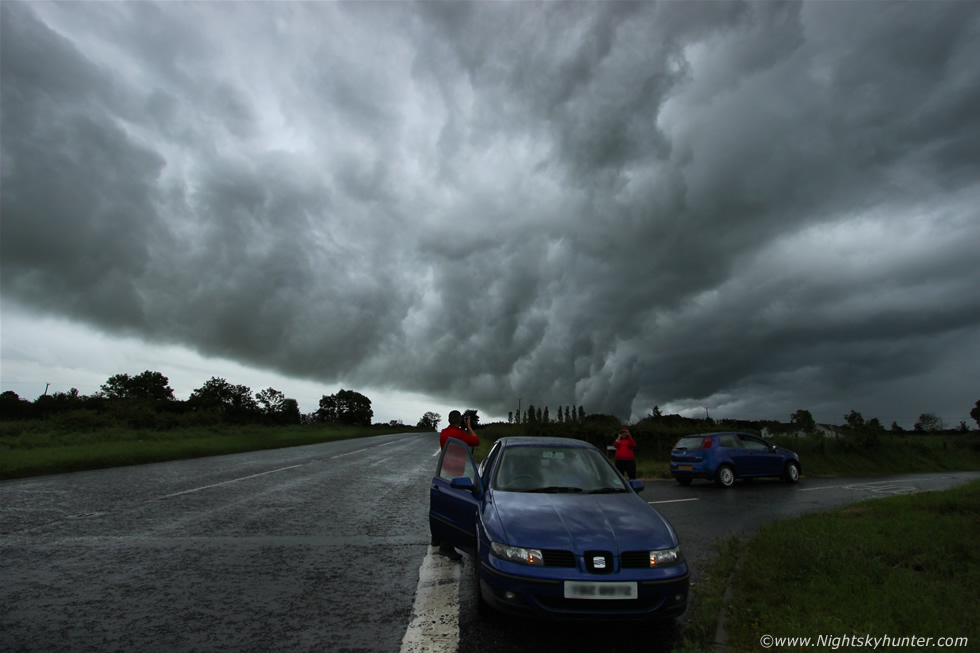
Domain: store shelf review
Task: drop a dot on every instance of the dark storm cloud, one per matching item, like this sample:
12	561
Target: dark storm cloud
754	207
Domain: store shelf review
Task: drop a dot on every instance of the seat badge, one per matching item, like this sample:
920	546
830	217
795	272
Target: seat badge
599	562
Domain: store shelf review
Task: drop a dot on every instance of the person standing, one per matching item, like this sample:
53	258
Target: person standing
469	437
455	430
625	459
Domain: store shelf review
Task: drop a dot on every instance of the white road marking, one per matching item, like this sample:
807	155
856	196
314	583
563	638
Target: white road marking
234	480
435	616
674	500
349	453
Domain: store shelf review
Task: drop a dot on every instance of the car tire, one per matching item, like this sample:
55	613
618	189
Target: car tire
683	481
791	473
725	476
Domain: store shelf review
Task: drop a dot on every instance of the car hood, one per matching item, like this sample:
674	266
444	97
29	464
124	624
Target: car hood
580	522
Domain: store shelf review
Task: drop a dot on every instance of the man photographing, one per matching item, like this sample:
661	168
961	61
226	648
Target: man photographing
455	430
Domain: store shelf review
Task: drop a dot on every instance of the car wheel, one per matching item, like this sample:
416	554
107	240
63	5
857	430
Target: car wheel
792	473
683	481
725	476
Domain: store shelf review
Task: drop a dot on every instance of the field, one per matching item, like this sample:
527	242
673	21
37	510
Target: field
899	567
31	448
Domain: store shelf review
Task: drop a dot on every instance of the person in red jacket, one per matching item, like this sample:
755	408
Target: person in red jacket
625	460
470	438
454	430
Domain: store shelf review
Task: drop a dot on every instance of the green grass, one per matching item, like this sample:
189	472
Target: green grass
707	596
31	449
900	566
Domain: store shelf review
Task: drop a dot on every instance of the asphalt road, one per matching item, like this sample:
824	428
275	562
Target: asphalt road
304	549
315	548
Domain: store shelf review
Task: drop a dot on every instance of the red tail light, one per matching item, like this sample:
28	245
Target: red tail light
707	443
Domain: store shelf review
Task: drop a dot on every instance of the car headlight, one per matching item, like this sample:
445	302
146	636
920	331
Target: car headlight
517	554
666	557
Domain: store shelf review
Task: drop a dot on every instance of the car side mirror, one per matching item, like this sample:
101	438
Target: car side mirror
637	485
462	483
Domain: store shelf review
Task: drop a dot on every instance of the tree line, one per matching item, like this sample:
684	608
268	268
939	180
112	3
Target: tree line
146	400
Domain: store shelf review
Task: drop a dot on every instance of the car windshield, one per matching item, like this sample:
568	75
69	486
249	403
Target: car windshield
556	470
690	443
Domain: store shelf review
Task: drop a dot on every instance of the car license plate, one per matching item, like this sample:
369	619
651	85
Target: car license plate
686	468
594	590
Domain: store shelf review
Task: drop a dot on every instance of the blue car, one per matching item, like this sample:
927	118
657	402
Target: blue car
724	457
557	532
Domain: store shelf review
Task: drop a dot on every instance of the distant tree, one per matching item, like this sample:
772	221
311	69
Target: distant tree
531	416
963	428
289	412
346	407
929	423
270	401
655	413
581	413
541	419
510	417
975	413
474	417
861	433
568	415
217	394
854	420
277	407
13	407
896	428
803	421
547	418
147	385
430	420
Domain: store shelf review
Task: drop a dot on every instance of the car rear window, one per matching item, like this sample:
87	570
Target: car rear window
689	443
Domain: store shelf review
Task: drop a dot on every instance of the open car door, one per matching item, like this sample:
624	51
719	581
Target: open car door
454	497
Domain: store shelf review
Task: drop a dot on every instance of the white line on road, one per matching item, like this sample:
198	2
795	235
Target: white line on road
674	500
435	616
349	453
234	480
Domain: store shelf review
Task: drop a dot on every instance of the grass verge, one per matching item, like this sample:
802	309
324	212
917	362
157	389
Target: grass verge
33	453
707	597
899	567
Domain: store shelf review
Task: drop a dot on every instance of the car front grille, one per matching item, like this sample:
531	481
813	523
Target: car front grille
557	558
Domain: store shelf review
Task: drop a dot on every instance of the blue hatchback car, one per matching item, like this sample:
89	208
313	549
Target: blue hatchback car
557	532
724	457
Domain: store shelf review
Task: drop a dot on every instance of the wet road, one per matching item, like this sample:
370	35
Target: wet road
307	549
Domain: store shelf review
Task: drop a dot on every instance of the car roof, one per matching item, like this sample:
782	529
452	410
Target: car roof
543	441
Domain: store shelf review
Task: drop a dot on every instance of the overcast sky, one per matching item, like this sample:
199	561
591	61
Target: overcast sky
744	209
